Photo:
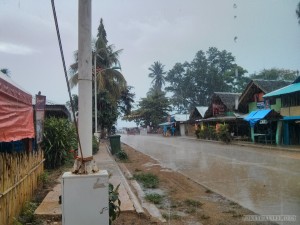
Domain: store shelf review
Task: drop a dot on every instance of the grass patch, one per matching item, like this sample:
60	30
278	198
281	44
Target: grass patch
154	198
172	216
191	210
230	211
194	203
148	180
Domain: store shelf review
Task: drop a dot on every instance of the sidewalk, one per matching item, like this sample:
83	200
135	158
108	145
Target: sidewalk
51	209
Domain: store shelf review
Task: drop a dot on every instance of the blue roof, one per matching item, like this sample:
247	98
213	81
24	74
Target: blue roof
285	90
257	115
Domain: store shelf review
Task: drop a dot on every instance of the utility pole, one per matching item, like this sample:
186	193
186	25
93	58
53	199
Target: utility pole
85	190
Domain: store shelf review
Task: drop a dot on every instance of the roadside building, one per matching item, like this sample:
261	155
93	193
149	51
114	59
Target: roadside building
223	109
21	163
287	101
262	115
196	119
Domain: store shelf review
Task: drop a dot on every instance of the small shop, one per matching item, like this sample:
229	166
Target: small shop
265	126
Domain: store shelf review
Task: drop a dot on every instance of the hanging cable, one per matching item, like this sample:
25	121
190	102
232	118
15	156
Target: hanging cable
66	77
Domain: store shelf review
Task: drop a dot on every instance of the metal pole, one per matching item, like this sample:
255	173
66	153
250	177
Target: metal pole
85	77
95	91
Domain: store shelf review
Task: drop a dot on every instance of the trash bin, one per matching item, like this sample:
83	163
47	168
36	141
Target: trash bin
115	144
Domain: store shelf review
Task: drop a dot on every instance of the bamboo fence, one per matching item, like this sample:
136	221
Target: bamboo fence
19	173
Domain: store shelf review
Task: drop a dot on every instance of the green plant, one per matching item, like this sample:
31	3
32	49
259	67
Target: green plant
197	132
148	180
114	202
27	214
44	178
59	139
172	216
122	155
194	203
224	134
95	145
191	210
154	198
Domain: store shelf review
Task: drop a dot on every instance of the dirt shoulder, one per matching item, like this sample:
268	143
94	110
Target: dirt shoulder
184	201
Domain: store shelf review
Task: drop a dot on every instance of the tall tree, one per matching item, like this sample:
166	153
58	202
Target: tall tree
111	83
158	75
207	73
126	101
275	74
152	110
102	40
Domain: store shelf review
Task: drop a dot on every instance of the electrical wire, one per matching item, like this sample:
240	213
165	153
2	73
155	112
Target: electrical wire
66	77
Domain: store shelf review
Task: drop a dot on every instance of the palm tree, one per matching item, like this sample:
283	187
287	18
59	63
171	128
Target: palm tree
108	77
158	75
5	71
298	12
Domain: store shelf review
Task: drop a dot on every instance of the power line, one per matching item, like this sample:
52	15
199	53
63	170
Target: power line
66	76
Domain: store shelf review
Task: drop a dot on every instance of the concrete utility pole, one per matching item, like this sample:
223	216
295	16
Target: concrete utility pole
85	77
85	192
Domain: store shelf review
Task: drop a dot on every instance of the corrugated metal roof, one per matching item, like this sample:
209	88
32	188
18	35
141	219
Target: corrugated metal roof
285	90
270	85
202	110
228	98
181	117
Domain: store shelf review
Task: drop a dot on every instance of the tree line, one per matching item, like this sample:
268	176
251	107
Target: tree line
191	84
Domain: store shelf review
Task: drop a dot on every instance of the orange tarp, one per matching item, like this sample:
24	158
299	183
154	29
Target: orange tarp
16	113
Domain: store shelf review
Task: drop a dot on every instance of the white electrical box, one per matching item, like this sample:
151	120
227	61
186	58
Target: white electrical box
85	199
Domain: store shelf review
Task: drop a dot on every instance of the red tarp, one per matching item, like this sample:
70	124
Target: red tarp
16	112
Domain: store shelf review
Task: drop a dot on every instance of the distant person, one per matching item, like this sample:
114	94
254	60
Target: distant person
173	130
165	130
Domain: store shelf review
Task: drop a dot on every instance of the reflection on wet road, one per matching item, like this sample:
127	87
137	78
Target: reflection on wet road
264	181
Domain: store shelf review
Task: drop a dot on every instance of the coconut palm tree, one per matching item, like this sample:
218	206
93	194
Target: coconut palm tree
5	71
158	75
108	77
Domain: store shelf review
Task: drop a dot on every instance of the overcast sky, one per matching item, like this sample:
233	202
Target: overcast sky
170	31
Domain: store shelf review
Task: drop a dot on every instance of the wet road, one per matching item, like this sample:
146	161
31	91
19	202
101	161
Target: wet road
264	181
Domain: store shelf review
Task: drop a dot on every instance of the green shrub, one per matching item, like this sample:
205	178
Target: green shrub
154	198
44	178
194	203
148	180
27	214
224	134
95	145
59	139
122	155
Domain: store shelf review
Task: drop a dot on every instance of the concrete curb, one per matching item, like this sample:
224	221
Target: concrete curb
139	209
151	208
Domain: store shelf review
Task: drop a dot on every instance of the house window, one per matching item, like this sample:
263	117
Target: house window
285	101
291	100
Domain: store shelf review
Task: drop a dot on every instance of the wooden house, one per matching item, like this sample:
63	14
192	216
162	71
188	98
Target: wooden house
288	104
262	115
